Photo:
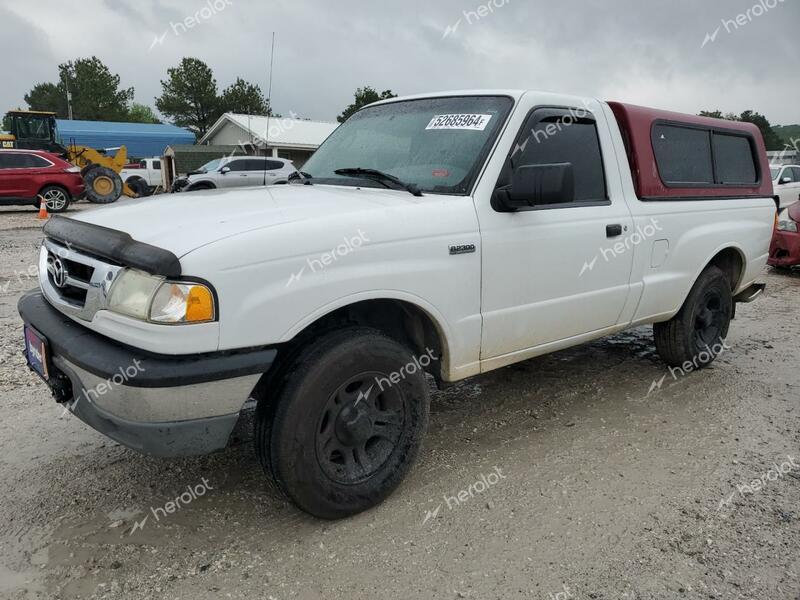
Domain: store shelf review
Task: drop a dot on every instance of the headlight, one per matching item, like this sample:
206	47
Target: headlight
182	303
787	226
150	298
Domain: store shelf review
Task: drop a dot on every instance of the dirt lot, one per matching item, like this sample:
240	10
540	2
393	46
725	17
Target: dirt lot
582	479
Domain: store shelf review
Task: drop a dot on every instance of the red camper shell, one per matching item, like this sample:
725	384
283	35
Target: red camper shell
675	156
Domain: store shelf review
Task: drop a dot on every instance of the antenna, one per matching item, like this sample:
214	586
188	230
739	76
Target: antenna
269	105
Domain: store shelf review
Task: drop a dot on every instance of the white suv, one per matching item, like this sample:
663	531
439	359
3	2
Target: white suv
786	182
236	171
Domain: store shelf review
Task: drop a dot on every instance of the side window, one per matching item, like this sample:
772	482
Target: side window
274	165
14	161
552	137
157	165
683	154
734	159
256	164
5	160
796	173
237	165
787	174
36	161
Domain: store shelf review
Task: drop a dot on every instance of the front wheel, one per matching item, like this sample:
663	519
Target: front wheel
347	422
697	333
103	185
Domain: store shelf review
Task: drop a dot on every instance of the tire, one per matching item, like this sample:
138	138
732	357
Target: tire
328	439
103	185
697	333
139	186
56	198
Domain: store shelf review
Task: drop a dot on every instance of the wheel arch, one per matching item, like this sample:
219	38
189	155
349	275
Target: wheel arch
730	260
56	185
204	184
403	320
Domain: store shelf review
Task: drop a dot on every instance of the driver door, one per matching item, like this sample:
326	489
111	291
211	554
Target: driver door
550	272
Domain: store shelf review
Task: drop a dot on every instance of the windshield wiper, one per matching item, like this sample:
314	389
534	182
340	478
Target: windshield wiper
380	176
301	175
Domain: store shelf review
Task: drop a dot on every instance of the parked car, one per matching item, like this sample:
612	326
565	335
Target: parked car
145	178
26	175
444	235
785	248
236	171
786	181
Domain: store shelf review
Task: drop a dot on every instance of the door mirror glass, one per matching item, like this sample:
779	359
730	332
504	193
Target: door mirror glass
224	170
537	185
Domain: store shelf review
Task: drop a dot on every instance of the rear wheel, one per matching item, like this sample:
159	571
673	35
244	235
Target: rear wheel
103	185
340	436
697	333
56	199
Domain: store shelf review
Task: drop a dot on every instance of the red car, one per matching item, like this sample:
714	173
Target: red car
27	174
785	248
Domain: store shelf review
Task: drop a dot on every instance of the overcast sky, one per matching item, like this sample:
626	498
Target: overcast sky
641	51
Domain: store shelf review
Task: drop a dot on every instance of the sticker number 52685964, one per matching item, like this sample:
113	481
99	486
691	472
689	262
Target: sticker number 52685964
462	121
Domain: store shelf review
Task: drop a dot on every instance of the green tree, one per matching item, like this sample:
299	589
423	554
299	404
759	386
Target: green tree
245	98
189	96
362	97
771	139
49	97
141	113
96	95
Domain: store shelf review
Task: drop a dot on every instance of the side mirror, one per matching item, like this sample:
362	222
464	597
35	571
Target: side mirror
534	185
785	180
224	170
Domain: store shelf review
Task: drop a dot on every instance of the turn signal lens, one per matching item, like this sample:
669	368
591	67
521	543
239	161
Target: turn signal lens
182	303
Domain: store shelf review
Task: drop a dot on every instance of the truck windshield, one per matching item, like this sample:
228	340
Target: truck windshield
436	144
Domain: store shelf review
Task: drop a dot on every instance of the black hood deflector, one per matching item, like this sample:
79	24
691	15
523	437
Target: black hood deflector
113	245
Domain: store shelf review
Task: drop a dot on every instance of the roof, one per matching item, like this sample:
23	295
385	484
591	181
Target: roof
283	132
201	148
141	139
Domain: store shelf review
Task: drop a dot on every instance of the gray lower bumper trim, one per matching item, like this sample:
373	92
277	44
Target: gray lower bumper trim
179	438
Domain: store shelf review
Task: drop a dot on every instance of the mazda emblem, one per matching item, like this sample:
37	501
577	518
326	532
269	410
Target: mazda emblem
59	273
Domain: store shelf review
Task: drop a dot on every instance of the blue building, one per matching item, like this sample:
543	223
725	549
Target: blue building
141	139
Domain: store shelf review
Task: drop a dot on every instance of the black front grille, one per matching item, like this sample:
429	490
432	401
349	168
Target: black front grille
73	294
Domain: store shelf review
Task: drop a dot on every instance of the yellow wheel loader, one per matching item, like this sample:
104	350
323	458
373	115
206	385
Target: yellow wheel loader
36	130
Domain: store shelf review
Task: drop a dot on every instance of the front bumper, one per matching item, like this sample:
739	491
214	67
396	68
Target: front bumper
785	249
155	404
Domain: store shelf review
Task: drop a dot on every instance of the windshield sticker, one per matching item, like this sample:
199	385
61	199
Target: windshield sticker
465	121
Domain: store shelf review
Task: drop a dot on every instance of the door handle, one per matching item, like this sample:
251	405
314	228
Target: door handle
613	230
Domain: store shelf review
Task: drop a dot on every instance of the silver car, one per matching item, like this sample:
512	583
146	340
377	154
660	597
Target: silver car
236	171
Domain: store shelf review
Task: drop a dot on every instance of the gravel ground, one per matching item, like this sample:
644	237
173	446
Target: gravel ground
595	483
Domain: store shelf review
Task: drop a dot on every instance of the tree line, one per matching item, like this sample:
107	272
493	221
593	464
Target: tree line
190	96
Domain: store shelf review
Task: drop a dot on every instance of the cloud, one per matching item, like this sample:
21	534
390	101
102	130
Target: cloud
644	52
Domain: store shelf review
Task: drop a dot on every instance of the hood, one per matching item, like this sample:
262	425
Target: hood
183	222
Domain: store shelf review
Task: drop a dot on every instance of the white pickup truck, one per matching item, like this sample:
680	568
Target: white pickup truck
446	235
